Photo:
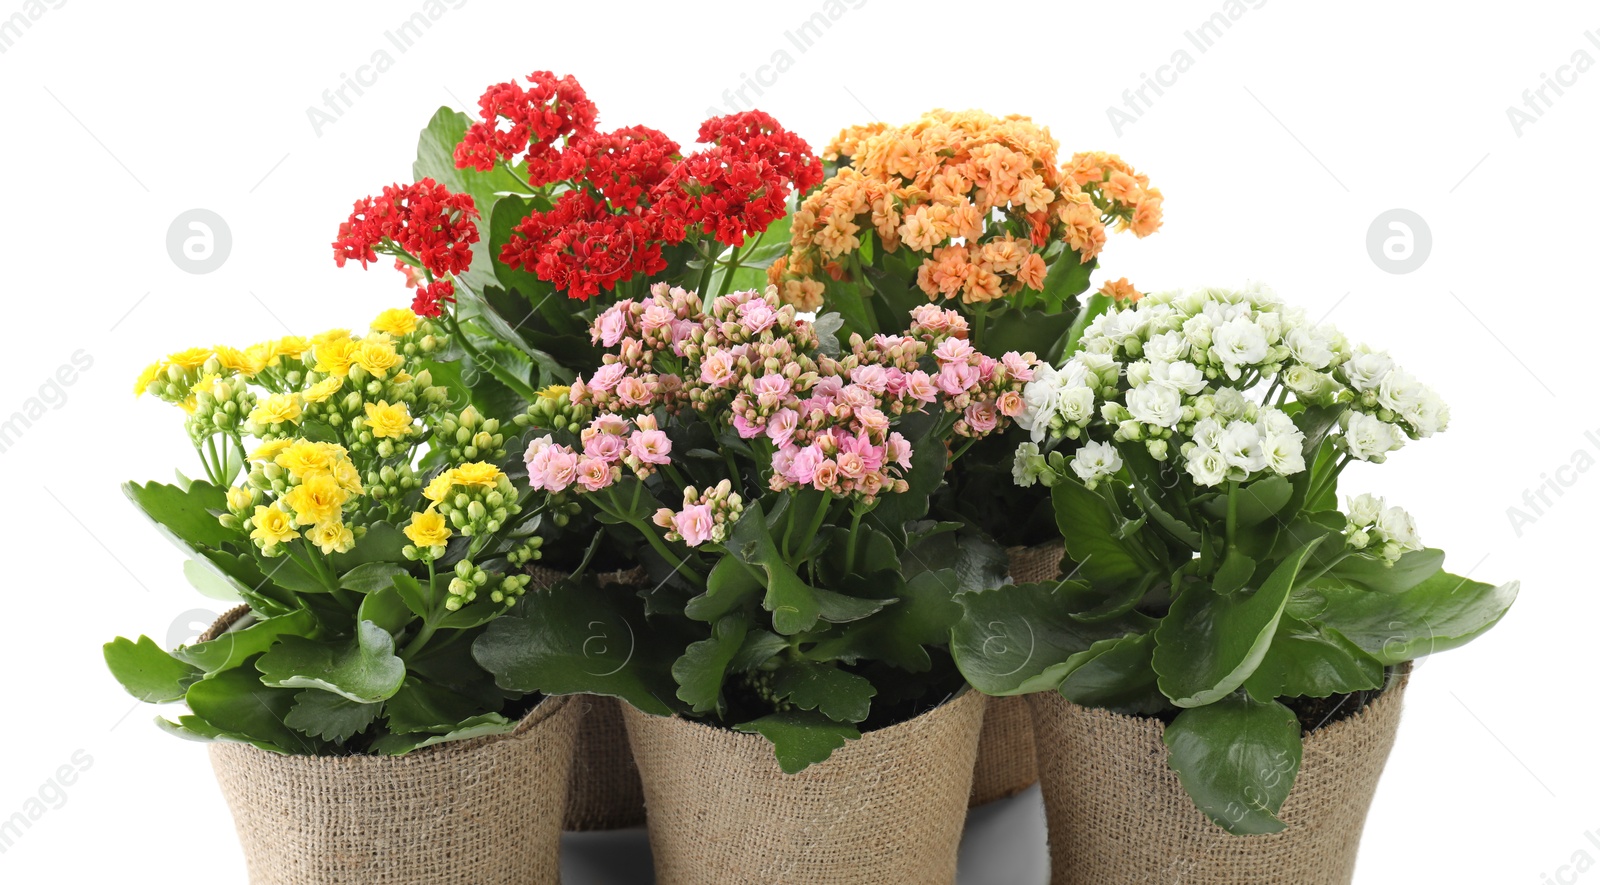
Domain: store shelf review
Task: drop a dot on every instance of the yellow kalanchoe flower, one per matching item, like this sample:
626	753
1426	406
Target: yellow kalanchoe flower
148	376
388	422
268	451
333	356
477	474
302	458
193	358
239	498
234	360
322	390
397	321
319	498
258	357
440	486
329	337
272	526
428	529
292	345
332	537
555	392
376	355
280	408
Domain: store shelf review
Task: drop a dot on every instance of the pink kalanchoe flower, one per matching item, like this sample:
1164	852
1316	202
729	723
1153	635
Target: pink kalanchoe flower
986	366
605	446
957	378
898	450
606	424
656	317
981	416
612	325
606	377
553	468
695	524
770	390
872	421
717	369
633	392
952	350
1019	367
746	428
593	474
826	475
1011	404
871	376
781	427
920	387
651	446
756	316
803	465
851	466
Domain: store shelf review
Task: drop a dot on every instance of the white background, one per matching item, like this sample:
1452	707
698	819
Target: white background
1276	150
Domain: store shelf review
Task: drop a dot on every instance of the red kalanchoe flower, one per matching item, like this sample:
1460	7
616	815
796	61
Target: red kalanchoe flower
741	184
625	166
580	246
429	297
549	109
424	220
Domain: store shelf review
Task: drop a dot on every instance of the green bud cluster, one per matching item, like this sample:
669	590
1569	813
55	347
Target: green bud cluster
557	412
479	511
267	479
760	683
526	552
469	437
223	409
389	484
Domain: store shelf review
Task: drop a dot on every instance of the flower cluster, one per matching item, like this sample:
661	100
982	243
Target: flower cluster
1388	532
1178	372
752	367
619	197
423	226
981	199
706	516
295	487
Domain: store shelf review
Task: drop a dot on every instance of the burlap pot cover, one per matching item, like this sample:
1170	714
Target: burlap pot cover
888	808
479	812
1006	765
605	793
1117	813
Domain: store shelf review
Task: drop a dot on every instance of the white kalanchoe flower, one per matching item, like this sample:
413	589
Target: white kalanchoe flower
1206	466
1239	342
1364	510
1095	461
1157	404
1369	438
1028	466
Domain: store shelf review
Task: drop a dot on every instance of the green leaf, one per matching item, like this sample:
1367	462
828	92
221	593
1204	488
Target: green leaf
329	716
704	665
1117	676
1023	638
837	694
363	668
729	587
1363	572
184	516
795	605
424	707
759	647
211	582
800	739
413	594
385	607
1307	661
1209	644
477	726
474	614
236	702
1067	278
193	728
1090	530
1439	614
1259	501
582	638
147	671
1235	572
1238	759
1096	306
233	648
894	511
371	577
973	559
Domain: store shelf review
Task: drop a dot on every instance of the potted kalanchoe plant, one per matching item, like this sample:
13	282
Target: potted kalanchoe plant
1227	654
788	669
526	221
366	524
977	213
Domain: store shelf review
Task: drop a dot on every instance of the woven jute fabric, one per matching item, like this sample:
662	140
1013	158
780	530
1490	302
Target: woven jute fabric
1118	814
888	808
1006	764
605	793
479	812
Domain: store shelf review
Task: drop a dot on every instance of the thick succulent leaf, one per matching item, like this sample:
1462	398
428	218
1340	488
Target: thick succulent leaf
704	665
1441	613
1362	572
1238	759
477	726
801	739
1022	638
837	694
1308	661
1209	643
1092	532
233	647
148	672
328	716
363	668
1116	675
235	702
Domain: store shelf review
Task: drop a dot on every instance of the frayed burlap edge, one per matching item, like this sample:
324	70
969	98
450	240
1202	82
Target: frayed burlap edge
888	808
1006	764
1118	813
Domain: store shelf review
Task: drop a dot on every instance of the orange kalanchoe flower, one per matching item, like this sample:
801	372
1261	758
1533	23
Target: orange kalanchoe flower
1121	291
981	198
